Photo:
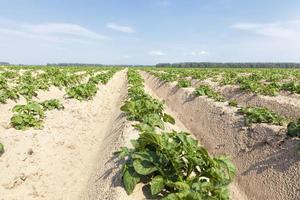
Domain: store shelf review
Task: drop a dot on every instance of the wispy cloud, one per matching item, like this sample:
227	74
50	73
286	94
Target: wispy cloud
12	33
281	29
120	28
157	53
64	28
50	32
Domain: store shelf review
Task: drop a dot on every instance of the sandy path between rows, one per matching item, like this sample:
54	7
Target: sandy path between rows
56	162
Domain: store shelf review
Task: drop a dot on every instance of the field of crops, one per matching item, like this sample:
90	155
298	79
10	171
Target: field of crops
149	133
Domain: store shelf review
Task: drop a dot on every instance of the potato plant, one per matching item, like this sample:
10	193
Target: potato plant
83	91
52	104
205	90
172	165
26	116
183	83
31	115
261	115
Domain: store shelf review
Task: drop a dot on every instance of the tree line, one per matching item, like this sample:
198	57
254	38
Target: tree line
229	65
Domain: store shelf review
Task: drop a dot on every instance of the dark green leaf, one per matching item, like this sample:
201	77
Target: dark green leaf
130	179
157	185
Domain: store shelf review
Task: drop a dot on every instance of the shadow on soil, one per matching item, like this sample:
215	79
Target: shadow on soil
281	160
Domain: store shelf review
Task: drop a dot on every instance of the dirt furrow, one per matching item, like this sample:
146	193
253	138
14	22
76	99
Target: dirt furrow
57	161
268	164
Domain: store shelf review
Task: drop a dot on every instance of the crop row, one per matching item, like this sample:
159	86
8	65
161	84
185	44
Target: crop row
267	82
251	114
172	165
32	113
14	83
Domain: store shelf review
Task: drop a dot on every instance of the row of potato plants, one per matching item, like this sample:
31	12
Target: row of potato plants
32	113
267	82
252	114
13	84
171	165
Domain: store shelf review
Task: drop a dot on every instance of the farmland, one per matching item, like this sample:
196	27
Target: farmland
157	133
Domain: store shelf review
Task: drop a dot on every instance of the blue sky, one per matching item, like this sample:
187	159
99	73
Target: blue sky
149	31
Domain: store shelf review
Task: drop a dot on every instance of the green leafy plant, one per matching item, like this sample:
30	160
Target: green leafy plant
28	91
8	93
168	77
291	87
84	91
27	86
10	74
293	129
205	90
63	79
142	107
183	83
233	103
102	78
171	164
174	166
261	115
52	104
29	115
146	110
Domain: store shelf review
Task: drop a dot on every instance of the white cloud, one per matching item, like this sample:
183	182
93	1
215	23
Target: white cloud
120	28
64	28
156	53
282	29
49	32
11	33
199	53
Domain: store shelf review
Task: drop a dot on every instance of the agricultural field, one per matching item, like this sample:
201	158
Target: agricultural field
149	133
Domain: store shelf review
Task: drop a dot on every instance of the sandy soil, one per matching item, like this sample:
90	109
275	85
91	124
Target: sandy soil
72	157
268	163
56	162
106	182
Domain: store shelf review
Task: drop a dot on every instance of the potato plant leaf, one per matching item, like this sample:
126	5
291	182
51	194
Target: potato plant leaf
157	184
168	118
143	167
130	179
